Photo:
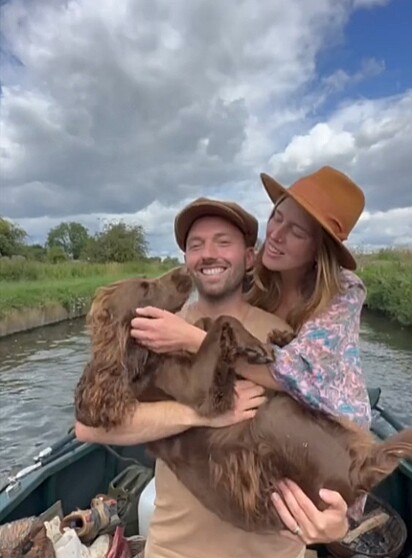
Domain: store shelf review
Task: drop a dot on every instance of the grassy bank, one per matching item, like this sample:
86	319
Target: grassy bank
32	284
24	284
388	278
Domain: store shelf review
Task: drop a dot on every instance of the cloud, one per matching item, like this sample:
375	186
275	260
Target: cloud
124	103
360	4
129	110
338	80
368	139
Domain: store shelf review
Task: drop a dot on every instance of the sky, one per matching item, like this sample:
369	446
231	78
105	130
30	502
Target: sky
130	110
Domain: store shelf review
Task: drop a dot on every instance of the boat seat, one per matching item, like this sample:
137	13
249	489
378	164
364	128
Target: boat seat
146	507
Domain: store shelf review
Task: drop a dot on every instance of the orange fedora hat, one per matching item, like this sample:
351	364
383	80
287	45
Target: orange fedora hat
331	198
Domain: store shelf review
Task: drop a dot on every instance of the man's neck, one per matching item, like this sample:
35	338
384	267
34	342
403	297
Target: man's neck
234	306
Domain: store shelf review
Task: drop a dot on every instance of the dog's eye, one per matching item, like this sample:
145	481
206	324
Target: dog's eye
27	547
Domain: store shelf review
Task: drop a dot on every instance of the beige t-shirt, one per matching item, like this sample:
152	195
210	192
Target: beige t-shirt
182	527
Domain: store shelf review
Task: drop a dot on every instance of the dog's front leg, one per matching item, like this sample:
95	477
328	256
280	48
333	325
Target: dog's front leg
206	382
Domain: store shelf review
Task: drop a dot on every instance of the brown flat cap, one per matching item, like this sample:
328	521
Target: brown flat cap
204	207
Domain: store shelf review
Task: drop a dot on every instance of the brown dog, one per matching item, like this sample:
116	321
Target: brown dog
231	470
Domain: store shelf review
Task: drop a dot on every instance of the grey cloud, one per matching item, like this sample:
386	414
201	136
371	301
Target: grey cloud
123	104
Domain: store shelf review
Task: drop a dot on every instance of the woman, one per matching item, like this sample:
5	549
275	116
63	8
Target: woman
304	274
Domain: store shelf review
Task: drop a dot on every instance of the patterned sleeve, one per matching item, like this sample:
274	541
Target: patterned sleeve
321	366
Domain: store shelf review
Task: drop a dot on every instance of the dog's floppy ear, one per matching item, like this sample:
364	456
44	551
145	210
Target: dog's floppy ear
204	323
135	365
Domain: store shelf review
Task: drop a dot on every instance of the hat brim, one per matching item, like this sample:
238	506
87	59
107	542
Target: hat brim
275	191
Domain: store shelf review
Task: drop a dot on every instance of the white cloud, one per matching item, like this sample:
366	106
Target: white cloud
128	110
359	4
368	139
142	95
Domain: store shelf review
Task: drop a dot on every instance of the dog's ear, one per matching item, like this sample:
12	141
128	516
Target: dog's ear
204	323
183	282
135	366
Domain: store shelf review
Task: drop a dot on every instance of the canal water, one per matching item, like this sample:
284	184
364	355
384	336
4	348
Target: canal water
39	371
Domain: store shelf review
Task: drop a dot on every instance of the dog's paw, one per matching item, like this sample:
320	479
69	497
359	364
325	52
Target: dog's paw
280	338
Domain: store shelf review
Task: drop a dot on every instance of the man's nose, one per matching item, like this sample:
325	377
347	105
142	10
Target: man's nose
210	251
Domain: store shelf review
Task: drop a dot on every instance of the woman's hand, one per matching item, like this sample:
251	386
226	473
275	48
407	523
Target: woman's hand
304	520
162	331
249	397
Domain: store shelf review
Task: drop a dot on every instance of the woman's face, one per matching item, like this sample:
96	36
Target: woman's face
292	238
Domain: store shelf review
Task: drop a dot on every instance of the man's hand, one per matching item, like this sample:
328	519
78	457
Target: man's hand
249	397
162	331
304	520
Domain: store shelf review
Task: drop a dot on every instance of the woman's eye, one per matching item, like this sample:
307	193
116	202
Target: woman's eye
299	234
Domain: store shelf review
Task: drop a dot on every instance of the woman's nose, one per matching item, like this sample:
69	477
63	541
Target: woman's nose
277	232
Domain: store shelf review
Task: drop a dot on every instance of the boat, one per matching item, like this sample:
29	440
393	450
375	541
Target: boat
71	473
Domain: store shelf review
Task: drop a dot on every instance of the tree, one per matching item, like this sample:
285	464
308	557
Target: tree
35	252
70	237
12	238
56	254
118	243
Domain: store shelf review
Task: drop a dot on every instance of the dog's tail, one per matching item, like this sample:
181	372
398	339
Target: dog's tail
382	459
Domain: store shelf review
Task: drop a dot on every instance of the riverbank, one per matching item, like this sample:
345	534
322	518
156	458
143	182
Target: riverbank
35	294
388	278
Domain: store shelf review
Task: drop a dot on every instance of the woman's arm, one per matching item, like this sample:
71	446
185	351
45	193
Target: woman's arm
321	366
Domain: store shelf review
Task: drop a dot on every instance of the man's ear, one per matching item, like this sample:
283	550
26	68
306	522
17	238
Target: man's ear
250	259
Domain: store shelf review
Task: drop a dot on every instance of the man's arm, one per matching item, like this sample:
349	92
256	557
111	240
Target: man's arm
150	421
153	421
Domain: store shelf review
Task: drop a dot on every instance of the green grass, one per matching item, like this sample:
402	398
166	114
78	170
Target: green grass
66	284
26	270
27	284
388	278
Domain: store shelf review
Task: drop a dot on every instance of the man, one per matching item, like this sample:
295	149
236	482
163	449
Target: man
218	240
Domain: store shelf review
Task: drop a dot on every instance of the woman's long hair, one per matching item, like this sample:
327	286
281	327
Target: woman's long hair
321	284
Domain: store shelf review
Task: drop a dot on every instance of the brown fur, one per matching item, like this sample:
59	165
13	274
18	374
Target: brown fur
25	538
231	470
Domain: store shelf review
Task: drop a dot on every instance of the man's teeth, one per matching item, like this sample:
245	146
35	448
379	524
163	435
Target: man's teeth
213	270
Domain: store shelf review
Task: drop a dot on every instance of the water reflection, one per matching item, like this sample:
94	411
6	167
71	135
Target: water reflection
39	371
387	361
38	374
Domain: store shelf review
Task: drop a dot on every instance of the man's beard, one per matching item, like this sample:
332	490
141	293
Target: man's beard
224	291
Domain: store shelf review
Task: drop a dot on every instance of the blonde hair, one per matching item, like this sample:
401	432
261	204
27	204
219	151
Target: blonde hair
318	289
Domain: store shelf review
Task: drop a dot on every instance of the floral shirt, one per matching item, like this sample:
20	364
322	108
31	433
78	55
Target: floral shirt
321	366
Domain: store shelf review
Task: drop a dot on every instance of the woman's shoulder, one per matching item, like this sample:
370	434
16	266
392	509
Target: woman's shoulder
350	279
352	286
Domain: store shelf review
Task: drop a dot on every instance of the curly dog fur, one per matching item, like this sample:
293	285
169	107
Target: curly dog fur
231	470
